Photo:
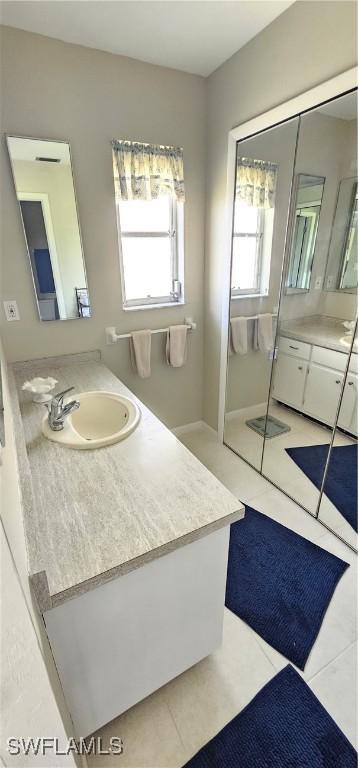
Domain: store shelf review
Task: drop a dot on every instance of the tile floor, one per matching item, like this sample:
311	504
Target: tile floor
277	464
166	729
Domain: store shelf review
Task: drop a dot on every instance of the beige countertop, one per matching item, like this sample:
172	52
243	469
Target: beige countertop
319	329
91	516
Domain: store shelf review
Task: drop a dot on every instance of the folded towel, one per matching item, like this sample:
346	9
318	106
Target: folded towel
239	335
140	348
263	334
176	347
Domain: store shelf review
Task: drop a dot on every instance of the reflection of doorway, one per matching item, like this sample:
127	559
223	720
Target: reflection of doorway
36	215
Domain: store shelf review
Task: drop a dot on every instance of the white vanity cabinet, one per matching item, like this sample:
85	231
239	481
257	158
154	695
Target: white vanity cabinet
321	397
290	379
309	378
348	411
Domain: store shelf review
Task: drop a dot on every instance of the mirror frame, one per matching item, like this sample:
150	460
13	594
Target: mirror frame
58	141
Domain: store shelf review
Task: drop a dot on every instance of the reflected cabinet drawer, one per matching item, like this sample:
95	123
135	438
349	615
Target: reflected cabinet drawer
329	358
295	348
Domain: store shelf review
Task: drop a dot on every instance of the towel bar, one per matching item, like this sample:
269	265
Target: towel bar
112	336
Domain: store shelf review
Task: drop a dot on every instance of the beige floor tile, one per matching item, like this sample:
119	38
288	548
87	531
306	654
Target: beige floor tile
210	694
150	738
336	688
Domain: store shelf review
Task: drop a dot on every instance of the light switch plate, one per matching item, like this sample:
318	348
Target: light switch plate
11	310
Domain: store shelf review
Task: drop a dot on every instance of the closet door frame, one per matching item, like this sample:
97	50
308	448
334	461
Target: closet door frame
329	89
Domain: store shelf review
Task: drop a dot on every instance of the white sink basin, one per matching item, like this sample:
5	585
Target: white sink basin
103	418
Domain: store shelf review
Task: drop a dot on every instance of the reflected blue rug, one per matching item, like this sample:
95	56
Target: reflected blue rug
284	726
341	480
280	583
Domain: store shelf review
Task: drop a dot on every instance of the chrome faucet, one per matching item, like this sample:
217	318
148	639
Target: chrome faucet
57	411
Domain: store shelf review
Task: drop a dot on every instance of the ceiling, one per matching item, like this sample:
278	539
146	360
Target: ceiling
191	35
30	149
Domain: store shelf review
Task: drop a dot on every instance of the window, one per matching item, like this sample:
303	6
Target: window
149	190
150	245
247	250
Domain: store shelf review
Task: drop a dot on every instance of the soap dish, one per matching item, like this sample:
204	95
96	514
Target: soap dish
40	388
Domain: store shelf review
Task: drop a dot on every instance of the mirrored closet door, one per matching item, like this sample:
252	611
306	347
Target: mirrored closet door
338	504
264	168
288	379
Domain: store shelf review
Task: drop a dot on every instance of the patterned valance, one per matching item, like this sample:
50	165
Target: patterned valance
147	171
256	182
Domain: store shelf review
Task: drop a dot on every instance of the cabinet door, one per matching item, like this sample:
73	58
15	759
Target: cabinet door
289	380
323	389
347	414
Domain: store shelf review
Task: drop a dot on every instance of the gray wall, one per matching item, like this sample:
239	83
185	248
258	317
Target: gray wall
309	43
88	97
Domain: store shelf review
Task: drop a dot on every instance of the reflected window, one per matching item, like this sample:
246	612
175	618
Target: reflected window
253	227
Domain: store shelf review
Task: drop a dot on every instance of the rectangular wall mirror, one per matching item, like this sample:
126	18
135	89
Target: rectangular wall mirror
306	212
43	178
341	272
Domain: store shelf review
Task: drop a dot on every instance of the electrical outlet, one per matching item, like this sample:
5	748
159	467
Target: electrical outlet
318	283
11	310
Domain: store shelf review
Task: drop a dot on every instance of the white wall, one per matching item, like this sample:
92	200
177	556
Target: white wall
309	43
89	97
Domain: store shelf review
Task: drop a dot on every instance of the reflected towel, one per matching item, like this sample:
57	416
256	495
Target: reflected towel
263	334
140	348
176	347
239	335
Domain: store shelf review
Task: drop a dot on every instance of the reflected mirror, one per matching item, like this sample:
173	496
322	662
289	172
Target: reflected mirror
307	206
342	264
264	167
44	184
338	506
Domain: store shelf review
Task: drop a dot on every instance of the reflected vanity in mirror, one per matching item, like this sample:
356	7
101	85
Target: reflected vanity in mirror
44	185
287	403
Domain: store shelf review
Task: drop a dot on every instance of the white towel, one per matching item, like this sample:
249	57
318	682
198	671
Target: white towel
263	334
140	347
239	335
176	347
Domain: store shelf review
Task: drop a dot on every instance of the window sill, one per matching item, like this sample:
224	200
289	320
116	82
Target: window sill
249	296
165	305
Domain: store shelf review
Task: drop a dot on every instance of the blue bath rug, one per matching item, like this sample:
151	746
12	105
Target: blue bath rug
284	726
341	478
279	583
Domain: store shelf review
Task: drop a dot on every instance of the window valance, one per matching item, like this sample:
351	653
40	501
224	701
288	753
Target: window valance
147	171
256	182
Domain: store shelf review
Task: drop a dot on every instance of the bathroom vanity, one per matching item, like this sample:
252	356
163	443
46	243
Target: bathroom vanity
127	550
310	369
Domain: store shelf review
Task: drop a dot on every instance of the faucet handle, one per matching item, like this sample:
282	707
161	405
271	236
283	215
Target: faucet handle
60	395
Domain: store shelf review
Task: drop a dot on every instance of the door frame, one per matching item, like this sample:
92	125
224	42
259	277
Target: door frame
43	198
326	91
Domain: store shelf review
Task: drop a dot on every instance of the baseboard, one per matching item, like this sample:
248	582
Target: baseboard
249	411
192	427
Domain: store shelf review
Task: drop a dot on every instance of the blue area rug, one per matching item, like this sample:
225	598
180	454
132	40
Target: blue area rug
280	583
284	726
341	479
